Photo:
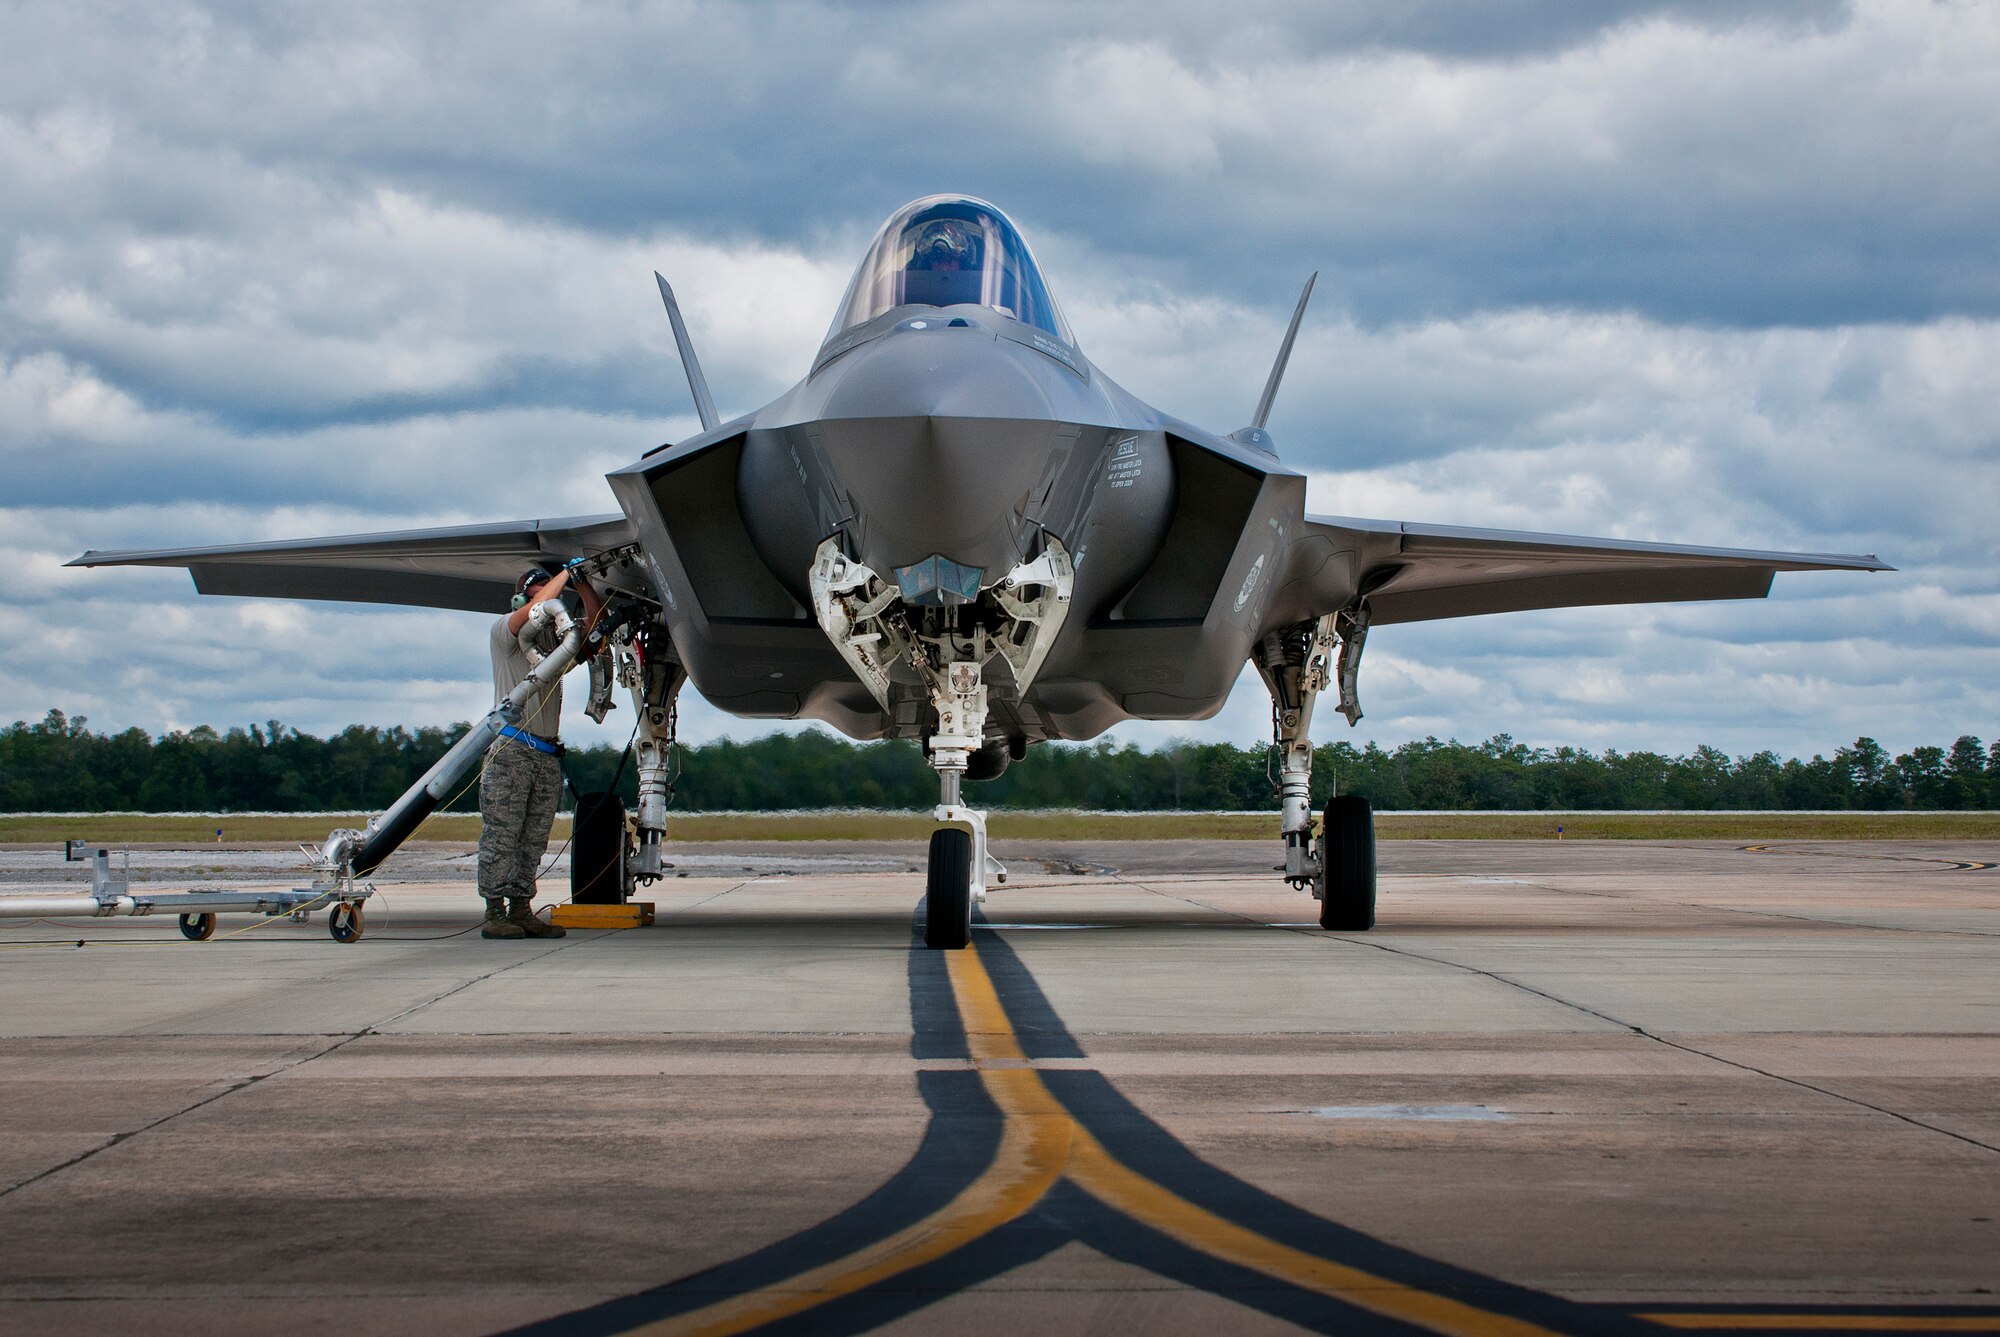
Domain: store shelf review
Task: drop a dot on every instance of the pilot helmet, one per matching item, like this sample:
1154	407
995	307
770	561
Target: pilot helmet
946	241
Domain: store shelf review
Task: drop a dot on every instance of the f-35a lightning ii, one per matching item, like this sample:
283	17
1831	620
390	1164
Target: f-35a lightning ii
957	529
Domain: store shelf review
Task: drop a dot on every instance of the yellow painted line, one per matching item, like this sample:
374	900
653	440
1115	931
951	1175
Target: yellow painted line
1032	1155
1030	1158
1101	1175
1832	1322
988	1033
1041	1142
1956	865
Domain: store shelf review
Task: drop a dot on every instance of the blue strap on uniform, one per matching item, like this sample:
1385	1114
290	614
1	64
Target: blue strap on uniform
539	744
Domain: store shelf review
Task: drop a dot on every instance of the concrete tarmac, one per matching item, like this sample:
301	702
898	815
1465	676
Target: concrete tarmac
1578	1087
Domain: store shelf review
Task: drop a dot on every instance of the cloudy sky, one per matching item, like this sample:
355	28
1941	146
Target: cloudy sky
1703	272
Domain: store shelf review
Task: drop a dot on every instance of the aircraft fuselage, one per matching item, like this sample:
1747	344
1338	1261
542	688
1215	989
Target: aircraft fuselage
960	434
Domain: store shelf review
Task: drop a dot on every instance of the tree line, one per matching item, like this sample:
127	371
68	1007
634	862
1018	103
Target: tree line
59	765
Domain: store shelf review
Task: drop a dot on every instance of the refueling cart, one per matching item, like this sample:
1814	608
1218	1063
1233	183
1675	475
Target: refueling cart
111	895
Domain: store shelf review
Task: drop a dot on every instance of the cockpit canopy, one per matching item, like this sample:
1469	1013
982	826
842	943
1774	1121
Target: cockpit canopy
950	250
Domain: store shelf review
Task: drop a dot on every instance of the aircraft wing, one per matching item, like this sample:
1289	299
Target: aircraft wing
1417	572
471	567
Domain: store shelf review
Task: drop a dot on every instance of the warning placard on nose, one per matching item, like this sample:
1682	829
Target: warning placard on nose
1122	469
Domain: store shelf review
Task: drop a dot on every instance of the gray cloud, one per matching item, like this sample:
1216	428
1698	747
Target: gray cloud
1713	163
1699	272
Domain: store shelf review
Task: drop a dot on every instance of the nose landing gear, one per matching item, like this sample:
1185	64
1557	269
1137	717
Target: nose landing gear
1016	619
959	863
948	890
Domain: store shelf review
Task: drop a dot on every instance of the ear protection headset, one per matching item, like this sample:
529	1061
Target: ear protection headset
530	578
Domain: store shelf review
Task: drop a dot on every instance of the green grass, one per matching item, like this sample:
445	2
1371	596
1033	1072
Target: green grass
145	828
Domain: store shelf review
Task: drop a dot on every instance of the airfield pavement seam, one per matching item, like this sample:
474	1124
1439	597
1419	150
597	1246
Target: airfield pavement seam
715	896
1643	1033
117	1139
344	1039
1589	1011
1912	1120
374	1027
1554	890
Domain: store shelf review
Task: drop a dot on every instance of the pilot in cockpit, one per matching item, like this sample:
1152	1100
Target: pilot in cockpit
945	262
945	244
950	250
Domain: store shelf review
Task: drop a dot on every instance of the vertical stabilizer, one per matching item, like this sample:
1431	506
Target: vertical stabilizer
1278	367
704	404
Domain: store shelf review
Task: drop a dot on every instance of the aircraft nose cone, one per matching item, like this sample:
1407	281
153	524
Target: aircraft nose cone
937	490
923	444
937	435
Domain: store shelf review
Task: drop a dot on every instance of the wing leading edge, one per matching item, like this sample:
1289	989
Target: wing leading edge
1417	573
471	567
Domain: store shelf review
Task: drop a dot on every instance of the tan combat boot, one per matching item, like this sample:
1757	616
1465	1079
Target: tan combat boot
521	914
498	924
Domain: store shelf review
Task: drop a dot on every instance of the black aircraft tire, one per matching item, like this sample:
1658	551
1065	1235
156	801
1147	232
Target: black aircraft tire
1347	853
948	890
597	850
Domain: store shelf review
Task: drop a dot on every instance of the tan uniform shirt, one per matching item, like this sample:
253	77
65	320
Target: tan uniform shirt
542	713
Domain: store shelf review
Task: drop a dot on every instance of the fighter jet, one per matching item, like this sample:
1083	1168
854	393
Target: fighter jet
957	529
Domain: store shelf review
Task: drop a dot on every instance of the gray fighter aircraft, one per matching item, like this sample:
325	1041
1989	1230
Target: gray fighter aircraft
957	529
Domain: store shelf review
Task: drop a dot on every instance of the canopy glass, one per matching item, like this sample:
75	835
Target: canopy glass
950	250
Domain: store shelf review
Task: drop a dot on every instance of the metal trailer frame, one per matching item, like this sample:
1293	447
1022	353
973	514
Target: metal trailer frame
111	896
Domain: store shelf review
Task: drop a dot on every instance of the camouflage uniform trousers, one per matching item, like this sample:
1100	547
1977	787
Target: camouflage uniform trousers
517	805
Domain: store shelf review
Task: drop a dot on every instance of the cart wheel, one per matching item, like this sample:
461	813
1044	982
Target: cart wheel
197	928
344	922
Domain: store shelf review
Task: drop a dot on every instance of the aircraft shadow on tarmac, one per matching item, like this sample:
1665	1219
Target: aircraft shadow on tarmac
1019	1161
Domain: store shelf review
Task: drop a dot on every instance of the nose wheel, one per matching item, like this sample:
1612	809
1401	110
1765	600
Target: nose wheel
948	890
960	867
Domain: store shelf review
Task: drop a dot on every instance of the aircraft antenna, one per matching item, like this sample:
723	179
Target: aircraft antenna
1277	368
704	404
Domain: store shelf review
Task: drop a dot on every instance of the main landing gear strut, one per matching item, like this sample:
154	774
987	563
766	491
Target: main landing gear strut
1297	663
613	853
